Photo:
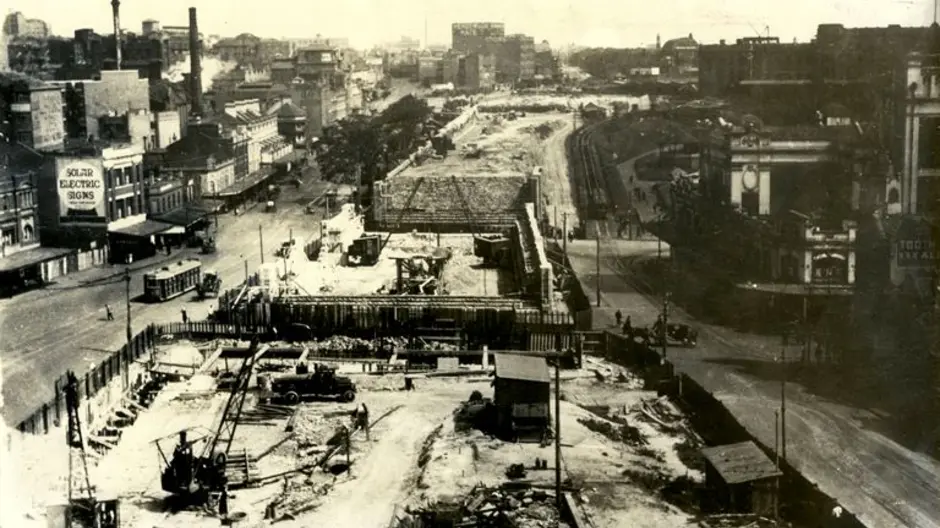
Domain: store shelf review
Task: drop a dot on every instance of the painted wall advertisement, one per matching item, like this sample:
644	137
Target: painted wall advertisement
81	190
916	246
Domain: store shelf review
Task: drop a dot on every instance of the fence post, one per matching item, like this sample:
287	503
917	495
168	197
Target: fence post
57	388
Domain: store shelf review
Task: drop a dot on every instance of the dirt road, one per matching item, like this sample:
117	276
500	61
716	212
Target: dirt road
379	480
883	483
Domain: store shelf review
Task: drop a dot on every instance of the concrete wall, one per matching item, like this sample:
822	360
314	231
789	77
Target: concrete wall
542	265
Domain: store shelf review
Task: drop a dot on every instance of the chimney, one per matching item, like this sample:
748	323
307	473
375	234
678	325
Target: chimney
195	63
116	12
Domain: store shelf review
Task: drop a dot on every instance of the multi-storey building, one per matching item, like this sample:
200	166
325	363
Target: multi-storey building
320	63
206	155
479	71
476	37
33	110
515	58
19	170
17	25
919	188
116	93
680	56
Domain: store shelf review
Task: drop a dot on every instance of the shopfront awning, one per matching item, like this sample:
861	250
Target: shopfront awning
31	257
185	216
251	181
142	229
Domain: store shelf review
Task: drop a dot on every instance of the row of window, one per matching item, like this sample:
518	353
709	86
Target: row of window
9	235
23	200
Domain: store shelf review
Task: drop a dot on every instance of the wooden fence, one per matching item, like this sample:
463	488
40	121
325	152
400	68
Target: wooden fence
41	420
801	501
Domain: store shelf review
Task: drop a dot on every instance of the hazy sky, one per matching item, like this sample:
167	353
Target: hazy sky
613	23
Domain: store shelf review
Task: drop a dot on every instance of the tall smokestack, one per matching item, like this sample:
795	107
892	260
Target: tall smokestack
195	63
116	13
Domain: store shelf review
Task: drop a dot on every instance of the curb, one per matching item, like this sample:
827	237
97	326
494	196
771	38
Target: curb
131	269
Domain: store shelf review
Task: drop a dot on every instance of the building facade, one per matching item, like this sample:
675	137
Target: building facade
19	171
476	37
116	93
920	181
17	25
33	110
479	71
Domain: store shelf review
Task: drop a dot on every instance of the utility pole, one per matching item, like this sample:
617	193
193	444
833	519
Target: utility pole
564	235
261	242
777	481
597	260
558	433
783	399
127	302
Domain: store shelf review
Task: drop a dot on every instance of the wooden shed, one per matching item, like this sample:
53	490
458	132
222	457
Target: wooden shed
522	394
740	478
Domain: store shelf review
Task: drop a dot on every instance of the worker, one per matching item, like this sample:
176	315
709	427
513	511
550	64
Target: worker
223	503
364	420
108	313
627	326
185	317
618	316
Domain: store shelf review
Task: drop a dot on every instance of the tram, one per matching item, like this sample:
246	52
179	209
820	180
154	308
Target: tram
172	281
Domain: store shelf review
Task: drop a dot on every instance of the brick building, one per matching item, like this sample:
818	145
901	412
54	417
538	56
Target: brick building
19	170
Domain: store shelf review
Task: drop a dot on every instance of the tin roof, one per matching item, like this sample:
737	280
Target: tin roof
739	463
525	368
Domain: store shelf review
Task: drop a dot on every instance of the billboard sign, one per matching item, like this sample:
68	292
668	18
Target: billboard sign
81	190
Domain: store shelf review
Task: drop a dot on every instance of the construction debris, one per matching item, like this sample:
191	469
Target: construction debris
528	507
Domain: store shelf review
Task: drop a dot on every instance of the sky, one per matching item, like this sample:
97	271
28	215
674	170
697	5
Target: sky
612	23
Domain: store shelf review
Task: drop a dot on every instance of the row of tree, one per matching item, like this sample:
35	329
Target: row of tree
366	147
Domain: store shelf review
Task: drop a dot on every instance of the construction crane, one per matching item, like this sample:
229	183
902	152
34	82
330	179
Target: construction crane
401	214
193	478
84	508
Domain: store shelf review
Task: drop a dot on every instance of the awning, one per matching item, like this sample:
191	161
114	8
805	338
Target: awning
31	257
249	182
175	230
185	216
143	229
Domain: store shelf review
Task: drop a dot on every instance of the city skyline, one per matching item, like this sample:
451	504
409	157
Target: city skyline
604	24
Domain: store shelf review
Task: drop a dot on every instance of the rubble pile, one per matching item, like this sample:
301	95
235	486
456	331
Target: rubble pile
355	344
616	429
531	507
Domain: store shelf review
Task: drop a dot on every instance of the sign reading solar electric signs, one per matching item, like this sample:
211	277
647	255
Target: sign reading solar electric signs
81	190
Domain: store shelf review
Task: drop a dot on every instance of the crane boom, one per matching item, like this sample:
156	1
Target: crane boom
236	400
401	214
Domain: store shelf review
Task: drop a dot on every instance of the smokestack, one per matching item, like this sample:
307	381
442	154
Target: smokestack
195	63
116	12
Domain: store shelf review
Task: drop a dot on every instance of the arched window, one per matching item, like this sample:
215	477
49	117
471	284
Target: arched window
27	233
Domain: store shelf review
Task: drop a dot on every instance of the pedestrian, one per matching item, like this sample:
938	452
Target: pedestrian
364	424
618	316
185	317
167	249
108	313
627	326
223	503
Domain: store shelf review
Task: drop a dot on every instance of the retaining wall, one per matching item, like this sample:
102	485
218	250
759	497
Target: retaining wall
442	201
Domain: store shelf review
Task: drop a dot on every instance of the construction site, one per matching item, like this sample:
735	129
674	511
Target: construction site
419	365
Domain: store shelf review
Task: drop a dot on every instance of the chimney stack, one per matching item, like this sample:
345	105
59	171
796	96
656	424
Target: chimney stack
195	63
116	12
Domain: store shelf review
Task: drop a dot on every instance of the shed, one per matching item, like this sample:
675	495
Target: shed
740	478
522	394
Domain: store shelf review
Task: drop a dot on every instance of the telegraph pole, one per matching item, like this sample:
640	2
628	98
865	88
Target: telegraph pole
564	235
127	303
261	242
597	260
558	432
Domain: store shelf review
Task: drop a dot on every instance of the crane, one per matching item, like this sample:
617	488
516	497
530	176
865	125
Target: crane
84	509
194	477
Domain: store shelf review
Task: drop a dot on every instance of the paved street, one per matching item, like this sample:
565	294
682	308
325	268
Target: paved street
832	444
45	332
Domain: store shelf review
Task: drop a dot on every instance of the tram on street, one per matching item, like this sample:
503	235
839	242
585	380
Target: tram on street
172	281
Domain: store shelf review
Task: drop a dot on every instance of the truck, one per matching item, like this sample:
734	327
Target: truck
210	285
321	383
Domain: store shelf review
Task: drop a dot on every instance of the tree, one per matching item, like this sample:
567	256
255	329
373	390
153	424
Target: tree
374	145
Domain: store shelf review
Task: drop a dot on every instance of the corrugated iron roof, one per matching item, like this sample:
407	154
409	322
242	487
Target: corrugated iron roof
526	368
739	463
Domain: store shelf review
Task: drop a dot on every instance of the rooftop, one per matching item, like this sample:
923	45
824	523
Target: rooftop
740	463
18	158
523	368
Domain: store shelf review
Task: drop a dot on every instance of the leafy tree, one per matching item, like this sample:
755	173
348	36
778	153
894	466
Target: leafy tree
374	145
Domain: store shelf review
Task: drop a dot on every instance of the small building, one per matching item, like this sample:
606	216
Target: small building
522	393
740	478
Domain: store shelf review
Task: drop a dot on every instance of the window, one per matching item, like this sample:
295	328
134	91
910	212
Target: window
27	233
929	155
